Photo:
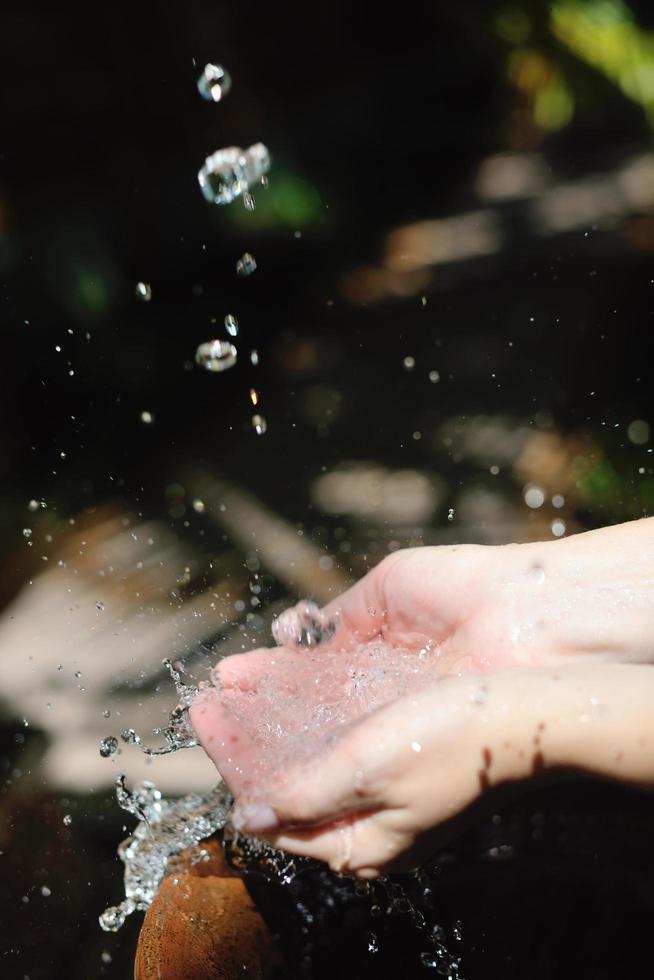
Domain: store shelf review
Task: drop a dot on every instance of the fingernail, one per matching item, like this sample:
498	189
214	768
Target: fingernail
255	818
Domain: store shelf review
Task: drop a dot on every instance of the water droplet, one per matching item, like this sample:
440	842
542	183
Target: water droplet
78	673
130	736
248	202
534	496
216	355
434	376
373	943
409	363
108	746
450	514
105	957
246	265
254	396
99	605
259	424
143	291
67	820
264	182
254	357
416	746
214	83
147	418
558	500
33	505
231	325
229	173
429	960
27	532
106	713
45	891
638	432
557	527
198	506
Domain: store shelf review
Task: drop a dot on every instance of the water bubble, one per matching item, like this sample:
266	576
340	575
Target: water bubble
198	506
534	496
214	83
246	265
108	746
67	820
259	424
143	291
254	357
229	173
147	418
216	355
27	532
231	325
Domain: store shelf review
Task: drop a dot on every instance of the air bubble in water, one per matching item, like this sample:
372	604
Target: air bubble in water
27	532
450	514
33	505
144	291
259	424
108	746
254	357
254	396
248	202
147	418
67	820
198	506
246	265
216	355
409	363
45	891
106	713
229	173
373	943
214	83
99	606
231	325
534	496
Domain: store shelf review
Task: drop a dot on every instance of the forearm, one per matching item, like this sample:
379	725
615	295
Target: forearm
590	594
598	719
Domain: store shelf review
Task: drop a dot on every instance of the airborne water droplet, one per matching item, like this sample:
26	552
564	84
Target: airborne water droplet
214	83
259	424
246	264
108	746
144	291
216	355
231	325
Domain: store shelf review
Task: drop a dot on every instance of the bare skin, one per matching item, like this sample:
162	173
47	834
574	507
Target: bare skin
544	654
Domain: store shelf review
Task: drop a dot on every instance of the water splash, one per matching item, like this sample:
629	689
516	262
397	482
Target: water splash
165	829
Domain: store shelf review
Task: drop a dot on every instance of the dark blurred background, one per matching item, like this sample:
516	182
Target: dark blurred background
453	313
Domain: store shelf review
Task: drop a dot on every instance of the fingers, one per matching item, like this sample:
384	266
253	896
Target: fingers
363	844
329	786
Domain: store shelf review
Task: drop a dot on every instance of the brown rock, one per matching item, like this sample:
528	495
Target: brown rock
203	924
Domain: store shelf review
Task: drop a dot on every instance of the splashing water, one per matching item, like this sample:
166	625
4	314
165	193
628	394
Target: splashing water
165	829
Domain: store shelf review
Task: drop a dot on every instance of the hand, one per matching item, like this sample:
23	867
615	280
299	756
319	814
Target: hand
368	796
